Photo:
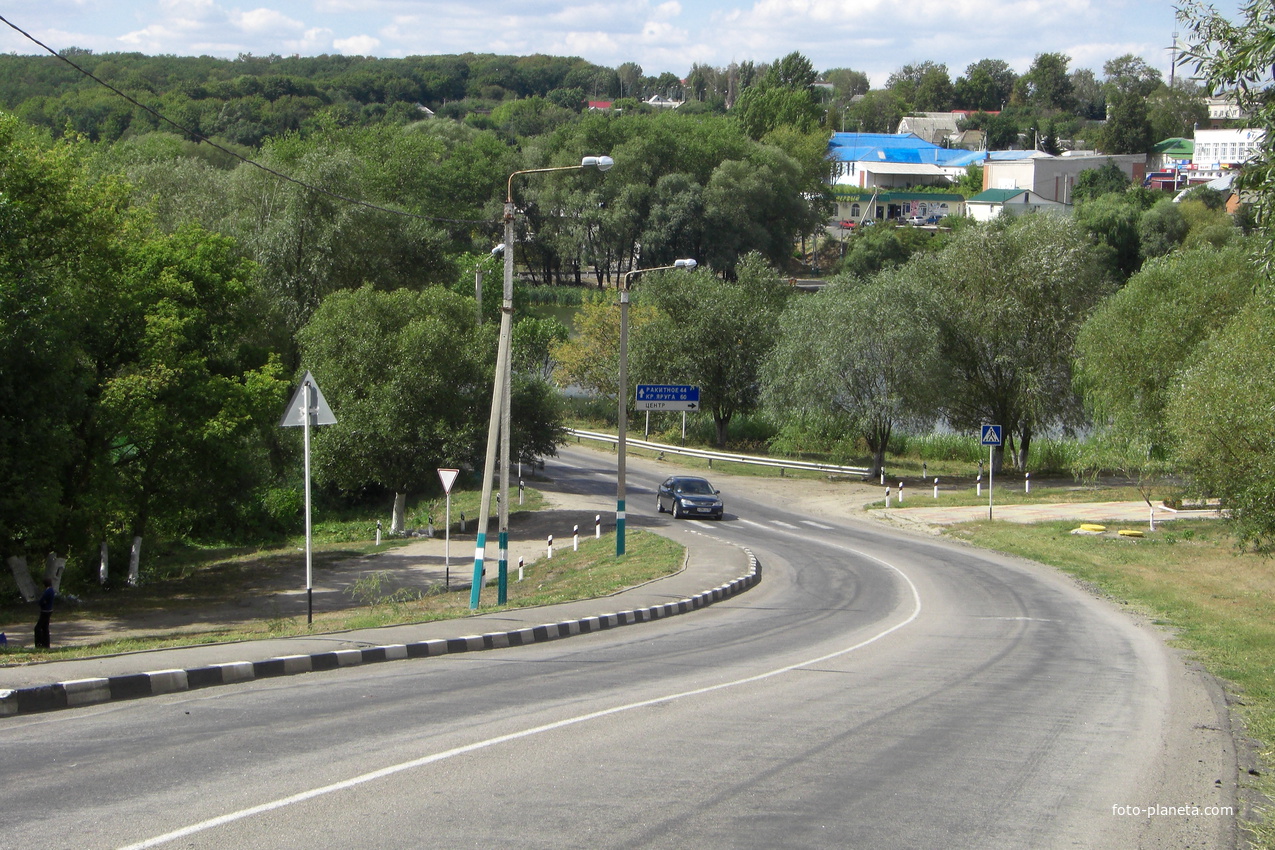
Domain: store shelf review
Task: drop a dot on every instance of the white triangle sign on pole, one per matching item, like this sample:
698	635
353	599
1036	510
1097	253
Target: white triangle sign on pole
320	412
448	477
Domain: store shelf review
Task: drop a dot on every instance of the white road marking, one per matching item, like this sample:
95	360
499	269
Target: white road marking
365	778
817	525
753	524
783	524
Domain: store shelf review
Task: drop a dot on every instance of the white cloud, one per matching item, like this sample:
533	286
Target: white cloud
359	45
266	22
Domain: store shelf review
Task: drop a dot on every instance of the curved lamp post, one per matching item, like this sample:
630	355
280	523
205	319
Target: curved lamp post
498	424
623	419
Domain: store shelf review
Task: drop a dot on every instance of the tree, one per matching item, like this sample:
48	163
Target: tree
1161	229
1237	58
986	86
711	333
590	360
408	383
192	397
1089	95
926	86
1175	112
1127	129
1014	295
1047	83
1095	182
865	352
846	82
1130	73
1133	347
1223	419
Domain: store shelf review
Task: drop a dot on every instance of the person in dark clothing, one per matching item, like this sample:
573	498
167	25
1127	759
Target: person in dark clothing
46	612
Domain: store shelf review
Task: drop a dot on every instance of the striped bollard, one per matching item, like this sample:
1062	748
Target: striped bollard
979	486
575	538
887	497
936	488
519	568
597	526
1028	478
550	547
900	492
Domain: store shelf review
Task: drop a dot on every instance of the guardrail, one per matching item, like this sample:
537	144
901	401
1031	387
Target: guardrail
776	463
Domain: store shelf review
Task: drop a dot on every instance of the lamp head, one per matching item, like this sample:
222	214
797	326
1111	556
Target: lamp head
602	163
684	264
498	249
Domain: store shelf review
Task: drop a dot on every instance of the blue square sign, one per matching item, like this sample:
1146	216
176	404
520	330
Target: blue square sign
991	435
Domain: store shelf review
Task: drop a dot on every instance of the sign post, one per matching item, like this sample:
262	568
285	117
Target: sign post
448	477
991	438
307	409
667	397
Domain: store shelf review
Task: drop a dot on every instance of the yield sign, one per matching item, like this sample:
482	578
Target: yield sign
448	477
320	413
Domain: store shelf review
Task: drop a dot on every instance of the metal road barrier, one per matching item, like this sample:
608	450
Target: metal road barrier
777	463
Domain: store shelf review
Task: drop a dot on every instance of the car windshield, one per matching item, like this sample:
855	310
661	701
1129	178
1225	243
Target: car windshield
694	487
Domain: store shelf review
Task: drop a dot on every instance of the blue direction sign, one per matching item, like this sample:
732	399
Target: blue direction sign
991	435
667	397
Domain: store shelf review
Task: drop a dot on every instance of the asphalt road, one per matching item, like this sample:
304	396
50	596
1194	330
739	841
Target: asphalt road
877	690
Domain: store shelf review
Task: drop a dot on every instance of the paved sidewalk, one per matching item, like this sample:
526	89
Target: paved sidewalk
1136	514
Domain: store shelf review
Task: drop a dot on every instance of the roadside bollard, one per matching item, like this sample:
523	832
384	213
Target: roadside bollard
900	492
925	471
597	526
575	538
1028	478
887	497
520	491
936	488
462	522
979	490
519	568
378	532
883	474
550	546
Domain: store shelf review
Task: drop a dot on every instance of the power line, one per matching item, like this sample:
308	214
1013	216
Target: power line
205	140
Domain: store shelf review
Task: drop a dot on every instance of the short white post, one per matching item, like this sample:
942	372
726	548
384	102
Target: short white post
1027	476
575	538
887	497
925	472
519	568
550	546
900	492
882	473
520	491
597	526
103	570
979	485
1153	517
936	488
134	561
378	532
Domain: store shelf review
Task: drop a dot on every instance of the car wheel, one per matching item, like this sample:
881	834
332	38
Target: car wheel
677	511
659	506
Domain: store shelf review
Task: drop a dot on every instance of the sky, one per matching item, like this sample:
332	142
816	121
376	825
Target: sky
874	36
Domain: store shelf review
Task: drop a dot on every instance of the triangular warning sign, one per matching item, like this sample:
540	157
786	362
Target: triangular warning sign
448	477
320	413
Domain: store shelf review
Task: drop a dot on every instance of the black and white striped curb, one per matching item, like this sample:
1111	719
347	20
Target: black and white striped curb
92	691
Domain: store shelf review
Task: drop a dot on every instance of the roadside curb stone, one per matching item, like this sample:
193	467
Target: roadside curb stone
92	691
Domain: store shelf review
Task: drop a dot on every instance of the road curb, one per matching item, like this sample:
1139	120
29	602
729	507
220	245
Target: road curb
81	692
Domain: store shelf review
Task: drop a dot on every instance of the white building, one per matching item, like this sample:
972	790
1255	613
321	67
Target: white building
1220	151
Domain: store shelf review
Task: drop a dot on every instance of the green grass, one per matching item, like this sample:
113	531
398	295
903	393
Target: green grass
1188	575
591	572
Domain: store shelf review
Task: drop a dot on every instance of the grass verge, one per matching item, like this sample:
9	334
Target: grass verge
1187	575
591	572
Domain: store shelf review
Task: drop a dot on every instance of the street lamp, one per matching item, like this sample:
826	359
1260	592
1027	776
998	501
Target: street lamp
623	419
498	423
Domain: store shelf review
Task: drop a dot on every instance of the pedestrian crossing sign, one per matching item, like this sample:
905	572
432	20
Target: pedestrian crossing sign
991	435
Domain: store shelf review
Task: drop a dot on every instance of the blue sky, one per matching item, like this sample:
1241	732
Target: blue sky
874	36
